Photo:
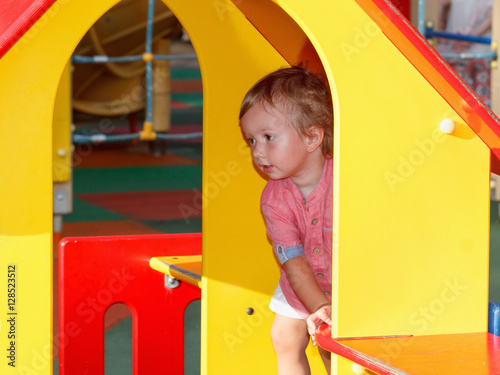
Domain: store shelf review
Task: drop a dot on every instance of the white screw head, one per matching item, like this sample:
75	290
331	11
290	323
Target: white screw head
447	126
357	369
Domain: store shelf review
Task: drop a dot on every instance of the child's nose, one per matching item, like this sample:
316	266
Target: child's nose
258	150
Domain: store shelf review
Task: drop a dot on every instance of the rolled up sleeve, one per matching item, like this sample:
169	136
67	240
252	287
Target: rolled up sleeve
285	254
282	230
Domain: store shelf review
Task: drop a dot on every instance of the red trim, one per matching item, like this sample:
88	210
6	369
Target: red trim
404	7
324	339
16	17
468	353
438	73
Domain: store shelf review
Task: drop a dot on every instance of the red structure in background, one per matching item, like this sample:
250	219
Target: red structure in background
97	272
404	7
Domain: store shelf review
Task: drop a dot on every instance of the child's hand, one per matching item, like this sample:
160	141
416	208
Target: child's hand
322	315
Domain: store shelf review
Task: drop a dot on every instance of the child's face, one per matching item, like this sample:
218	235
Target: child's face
277	148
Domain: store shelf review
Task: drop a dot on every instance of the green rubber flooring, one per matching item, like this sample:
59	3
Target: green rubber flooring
107	180
185	73
494	276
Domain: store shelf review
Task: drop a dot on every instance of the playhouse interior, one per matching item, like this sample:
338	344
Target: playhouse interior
146	200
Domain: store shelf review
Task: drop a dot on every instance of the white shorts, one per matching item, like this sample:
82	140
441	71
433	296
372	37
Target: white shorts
280	305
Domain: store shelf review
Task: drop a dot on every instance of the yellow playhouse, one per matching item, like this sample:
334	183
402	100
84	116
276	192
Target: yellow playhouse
412	156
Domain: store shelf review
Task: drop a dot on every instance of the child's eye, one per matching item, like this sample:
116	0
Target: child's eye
251	140
269	137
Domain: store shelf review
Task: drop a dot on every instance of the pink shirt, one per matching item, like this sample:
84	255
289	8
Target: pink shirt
299	226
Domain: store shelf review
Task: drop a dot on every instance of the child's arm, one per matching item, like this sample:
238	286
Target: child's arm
304	283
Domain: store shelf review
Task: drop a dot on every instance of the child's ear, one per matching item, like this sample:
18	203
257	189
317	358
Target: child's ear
314	138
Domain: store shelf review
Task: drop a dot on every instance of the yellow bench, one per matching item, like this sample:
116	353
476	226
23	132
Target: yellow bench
185	268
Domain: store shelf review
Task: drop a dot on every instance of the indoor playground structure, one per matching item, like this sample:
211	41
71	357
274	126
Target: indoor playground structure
413	151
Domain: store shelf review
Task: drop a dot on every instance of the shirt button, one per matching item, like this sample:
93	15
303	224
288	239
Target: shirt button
327	293
280	249
316	251
314	222
320	275
304	200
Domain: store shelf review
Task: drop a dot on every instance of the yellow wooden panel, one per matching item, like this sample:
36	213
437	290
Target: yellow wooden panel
239	269
282	32
26	304
411	204
61	132
30	73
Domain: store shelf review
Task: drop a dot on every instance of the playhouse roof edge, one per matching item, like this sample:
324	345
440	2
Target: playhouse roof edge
16	17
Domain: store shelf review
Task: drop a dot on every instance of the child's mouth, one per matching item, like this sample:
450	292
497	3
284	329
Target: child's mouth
267	168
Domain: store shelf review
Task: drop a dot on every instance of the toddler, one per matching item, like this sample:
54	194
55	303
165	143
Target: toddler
287	119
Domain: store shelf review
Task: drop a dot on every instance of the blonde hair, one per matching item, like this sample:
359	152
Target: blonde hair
305	98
